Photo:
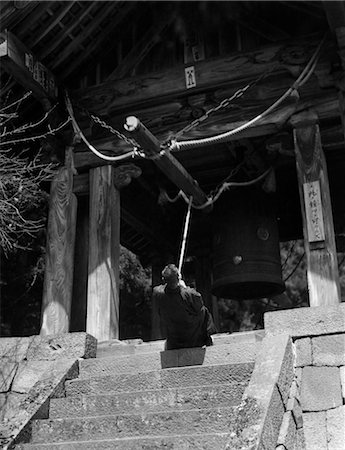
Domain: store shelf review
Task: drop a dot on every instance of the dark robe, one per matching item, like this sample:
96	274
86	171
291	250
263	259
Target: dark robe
186	320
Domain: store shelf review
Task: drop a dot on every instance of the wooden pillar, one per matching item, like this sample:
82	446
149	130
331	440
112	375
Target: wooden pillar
58	279
102	320
157	331
203	279
318	229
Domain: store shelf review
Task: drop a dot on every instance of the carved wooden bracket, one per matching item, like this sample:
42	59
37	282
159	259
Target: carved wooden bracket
124	174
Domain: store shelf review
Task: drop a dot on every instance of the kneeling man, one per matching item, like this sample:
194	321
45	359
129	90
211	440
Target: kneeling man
187	321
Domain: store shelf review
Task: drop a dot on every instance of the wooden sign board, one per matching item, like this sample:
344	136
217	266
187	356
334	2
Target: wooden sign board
17	60
314	214
190	77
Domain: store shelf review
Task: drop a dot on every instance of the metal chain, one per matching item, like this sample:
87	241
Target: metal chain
234	171
223	104
112	130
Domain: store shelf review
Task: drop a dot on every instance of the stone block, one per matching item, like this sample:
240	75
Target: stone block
162	379
50	382
321	388
211	441
329	350
8	370
227	353
160	400
9	405
303	322
335	424
14	348
28	373
300	440
296	410
298	377
217	420
62	346
314	426
274	365
342	380
287	432
269	386
294	391
303	352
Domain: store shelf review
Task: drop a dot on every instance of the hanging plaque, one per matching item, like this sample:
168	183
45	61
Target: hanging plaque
314	214
190	77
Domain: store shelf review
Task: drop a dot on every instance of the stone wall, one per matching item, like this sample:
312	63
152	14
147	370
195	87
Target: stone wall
317	396
32	370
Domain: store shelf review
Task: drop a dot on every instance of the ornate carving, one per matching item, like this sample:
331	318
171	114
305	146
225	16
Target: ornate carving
123	174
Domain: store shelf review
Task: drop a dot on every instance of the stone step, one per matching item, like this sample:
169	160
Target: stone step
162	400
215	420
161	379
231	353
211	441
115	347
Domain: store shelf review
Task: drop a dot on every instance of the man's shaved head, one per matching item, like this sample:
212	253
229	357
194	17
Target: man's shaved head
171	275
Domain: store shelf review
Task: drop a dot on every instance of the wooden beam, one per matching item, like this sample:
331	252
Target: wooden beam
318	229
66	31
58	278
124	9
144	45
165	161
327	106
102	320
107	98
49	25
102	13
21	63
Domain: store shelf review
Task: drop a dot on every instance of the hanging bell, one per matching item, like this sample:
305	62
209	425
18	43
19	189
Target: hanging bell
246	254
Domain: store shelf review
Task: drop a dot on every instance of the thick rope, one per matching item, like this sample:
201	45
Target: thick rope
224	137
78	131
185	233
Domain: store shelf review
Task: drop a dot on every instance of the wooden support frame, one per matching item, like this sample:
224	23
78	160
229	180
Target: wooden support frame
165	160
318	229
102	319
231	70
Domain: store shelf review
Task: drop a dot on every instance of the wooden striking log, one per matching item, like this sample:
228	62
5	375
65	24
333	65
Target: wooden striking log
165	160
20	62
104	247
58	279
318	229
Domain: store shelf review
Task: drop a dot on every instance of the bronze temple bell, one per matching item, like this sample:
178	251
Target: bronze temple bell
246	254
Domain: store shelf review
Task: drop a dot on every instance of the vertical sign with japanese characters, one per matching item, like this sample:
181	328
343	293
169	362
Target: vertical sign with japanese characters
190	77
313	205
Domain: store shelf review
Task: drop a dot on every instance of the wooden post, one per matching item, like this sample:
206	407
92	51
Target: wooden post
203	279
318	230
157	331
58	279
102	320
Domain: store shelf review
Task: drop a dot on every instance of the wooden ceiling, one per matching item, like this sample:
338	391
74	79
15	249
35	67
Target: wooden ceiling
111	53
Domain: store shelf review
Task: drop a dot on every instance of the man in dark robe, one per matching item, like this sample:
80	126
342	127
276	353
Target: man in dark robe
187	322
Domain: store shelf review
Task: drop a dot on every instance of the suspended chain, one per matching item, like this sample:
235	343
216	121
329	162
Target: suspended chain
112	130
223	104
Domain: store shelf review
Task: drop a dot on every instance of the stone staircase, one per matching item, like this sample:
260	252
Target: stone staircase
137	396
